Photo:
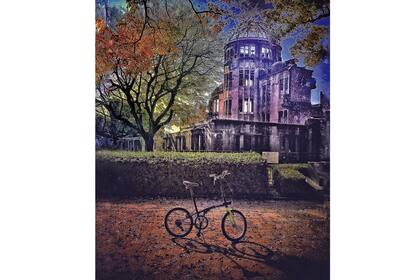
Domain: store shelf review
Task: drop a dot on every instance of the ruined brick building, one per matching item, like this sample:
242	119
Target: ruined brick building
264	104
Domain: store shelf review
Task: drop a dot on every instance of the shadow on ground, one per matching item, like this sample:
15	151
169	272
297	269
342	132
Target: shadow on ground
294	267
285	240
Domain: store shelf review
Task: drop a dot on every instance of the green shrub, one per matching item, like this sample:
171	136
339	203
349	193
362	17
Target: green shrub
291	174
290	179
243	158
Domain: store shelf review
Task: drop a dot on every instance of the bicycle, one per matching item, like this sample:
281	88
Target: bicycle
179	222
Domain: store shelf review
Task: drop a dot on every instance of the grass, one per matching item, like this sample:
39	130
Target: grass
291	174
295	166
293	171
243	158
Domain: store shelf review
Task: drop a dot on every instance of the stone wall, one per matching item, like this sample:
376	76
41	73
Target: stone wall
295	143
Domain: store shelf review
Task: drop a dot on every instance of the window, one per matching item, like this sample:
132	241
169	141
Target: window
237	143
246	50
227	108
292	143
263	95
247	142
249	77
281	84
228	80
283	116
246	77
286	83
246	74
252	50
248	106
283	143
240	105
265	52
216	105
301	81
229	54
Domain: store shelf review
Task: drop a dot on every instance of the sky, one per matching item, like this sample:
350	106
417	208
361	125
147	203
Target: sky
321	72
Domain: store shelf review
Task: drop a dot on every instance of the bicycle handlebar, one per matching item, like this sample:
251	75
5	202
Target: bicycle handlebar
221	175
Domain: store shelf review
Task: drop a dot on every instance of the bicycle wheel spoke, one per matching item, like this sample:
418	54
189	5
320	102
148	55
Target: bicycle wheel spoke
178	222
234	225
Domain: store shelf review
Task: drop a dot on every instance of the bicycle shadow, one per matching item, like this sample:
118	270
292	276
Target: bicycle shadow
293	267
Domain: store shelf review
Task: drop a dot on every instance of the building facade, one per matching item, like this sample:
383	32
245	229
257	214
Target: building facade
264	104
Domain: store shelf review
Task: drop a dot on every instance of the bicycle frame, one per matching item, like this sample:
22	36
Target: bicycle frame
204	211
197	218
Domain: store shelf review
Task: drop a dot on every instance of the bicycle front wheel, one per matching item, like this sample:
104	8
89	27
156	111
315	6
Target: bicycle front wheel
178	222
234	225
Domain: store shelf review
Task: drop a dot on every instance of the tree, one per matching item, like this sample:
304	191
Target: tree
281	19
109	127
110	14
145	65
301	17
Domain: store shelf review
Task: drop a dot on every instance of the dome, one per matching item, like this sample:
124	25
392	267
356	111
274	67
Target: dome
248	32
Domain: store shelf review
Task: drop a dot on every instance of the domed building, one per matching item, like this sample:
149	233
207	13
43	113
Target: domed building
258	86
263	104
248	56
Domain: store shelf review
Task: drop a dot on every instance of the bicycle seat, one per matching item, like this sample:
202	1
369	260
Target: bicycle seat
189	184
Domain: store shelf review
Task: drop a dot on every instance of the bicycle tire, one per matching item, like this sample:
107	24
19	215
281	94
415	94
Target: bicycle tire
224	230
189	226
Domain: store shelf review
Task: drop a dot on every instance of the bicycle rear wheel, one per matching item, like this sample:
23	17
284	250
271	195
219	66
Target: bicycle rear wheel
178	222
234	225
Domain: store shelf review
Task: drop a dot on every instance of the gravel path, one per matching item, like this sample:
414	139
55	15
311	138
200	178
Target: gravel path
285	240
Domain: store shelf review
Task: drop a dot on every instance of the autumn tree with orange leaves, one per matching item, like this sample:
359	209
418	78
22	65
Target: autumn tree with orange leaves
149	61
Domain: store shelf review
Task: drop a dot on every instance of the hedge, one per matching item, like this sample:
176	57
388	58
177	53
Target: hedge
122	174
290	180
242	158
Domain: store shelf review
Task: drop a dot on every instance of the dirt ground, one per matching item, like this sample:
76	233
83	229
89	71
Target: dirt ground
285	240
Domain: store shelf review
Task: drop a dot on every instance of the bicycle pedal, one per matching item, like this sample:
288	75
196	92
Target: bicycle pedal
198	234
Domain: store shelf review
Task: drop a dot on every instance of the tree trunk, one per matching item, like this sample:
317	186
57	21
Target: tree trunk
149	141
